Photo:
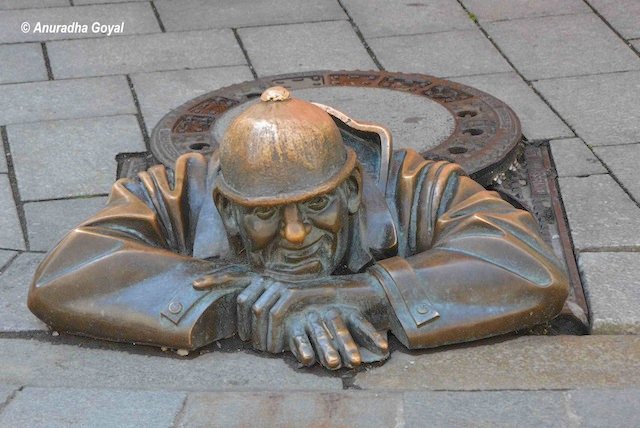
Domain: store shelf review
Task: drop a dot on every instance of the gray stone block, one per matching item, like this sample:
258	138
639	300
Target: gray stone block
384	18
485	409
611	283
201	14
29	4
138	18
14	284
623	15
50	408
66	158
499	10
602	109
601	216
414	122
448	54
623	162
555	46
573	158
65	99
270	409
537	119
5	257
160	92
6	391
38	363
48	222
149	52
305	47
82	2
10	231
605	408
527	363
21	63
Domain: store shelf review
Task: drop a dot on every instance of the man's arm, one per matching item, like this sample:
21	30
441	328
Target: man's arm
472	265
126	273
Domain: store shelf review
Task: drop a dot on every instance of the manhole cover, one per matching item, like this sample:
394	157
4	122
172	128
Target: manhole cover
439	118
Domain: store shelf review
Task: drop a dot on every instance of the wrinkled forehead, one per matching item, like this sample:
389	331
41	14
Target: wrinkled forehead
338	191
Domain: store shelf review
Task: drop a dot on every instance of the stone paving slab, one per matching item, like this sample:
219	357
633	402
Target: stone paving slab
537	119
10	231
29	4
447	54
379	18
66	407
602	109
325	409
65	99
83	2
305	47
612	286
149	52
138	18
556	46
5	257
605	408
623	15
160	92
48	222
201	14
624	162
21	63
573	158
500	10
43	363
601	215
14	284
65	158
527	363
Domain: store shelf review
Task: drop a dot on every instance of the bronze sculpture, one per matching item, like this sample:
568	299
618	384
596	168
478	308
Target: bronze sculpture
297	241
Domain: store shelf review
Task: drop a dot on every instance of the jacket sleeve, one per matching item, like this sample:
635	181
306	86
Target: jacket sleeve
126	273
469	266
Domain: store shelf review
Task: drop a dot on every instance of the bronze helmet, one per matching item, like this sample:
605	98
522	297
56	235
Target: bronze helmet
282	150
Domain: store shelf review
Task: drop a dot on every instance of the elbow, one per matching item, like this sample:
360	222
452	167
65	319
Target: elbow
555	293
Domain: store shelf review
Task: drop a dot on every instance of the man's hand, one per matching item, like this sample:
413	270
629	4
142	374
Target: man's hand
326	312
230	276
338	334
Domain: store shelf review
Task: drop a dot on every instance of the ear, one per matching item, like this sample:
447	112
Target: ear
354	189
226	211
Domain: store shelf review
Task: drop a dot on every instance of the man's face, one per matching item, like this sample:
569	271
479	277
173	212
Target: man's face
306	239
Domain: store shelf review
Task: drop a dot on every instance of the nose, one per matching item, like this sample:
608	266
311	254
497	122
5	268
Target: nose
294	230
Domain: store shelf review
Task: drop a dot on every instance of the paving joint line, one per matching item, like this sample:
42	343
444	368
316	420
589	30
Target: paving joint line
13	181
141	123
71	3
8	263
177	420
360	36
616	32
601	73
244	52
10	398
520	18
533	88
157	15
67	198
47	62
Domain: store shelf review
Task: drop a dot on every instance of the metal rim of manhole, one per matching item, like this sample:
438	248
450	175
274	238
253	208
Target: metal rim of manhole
484	141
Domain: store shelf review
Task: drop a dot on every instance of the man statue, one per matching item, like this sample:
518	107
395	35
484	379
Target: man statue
284	238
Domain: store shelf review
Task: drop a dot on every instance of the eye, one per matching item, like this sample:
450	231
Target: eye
318	203
264	213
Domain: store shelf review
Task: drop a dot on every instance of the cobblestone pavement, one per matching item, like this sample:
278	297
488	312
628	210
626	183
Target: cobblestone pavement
71	102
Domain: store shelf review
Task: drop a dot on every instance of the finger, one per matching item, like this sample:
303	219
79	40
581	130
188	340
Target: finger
231	279
342	338
366	334
260	317
245	301
326	352
300	345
